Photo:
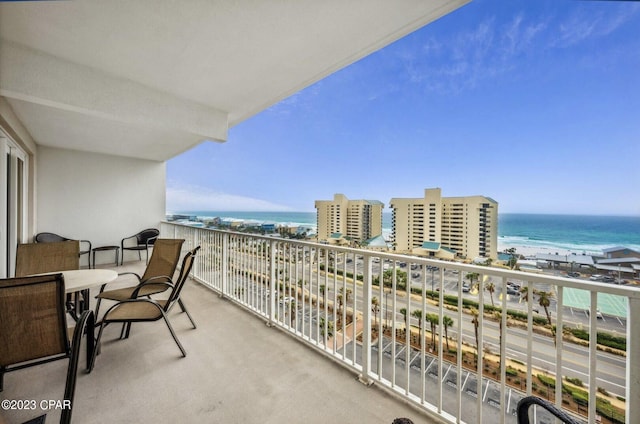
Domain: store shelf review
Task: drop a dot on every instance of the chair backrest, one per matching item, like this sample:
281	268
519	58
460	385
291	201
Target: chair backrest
164	259
146	235
49	238
526	402
37	258
187	264
33	324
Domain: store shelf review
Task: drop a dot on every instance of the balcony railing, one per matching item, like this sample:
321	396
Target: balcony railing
417	326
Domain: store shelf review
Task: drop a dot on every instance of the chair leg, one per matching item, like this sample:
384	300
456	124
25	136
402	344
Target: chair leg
173	334
126	330
97	307
96	347
184	309
126	336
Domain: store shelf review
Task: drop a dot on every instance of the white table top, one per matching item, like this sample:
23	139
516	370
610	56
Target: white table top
82	279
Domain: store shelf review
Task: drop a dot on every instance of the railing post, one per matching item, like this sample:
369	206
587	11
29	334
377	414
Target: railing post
365	377
225	264
272	282
633	365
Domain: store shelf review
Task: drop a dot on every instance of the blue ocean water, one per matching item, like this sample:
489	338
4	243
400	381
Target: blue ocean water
577	233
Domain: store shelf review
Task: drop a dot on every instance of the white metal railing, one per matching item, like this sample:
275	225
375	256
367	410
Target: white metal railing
354	307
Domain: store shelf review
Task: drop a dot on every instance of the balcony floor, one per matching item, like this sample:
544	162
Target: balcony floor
237	370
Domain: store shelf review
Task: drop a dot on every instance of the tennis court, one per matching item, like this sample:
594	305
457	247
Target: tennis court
609	304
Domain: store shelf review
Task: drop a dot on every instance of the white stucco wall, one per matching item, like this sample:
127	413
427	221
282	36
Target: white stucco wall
97	197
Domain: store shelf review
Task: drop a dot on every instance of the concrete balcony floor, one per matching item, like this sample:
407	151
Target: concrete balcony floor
237	370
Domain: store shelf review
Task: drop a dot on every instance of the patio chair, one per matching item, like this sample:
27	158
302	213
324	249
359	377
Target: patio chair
160	269
144	240
144	309
525	403
85	245
38	258
33	329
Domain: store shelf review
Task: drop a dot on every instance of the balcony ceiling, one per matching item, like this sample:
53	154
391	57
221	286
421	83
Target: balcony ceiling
152	78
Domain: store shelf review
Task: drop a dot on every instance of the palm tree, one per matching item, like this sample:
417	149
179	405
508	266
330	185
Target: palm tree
324	294
472	276
544	300
375	308
418	315
403	311
447	322
513	260
498	317
524	293
475	323
491	288
329	327
433	321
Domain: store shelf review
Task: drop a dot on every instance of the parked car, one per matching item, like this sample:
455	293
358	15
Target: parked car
573	274
513	291
466	288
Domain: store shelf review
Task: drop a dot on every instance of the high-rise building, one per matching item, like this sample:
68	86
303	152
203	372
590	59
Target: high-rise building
445	227
344	221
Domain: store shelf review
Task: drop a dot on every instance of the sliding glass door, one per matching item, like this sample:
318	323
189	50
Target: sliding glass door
13	203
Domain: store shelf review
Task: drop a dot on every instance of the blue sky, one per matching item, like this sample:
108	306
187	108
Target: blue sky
533	103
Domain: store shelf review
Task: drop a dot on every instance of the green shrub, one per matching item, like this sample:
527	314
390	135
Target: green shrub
604	408
540	320
511	372
547	381
610	340
580	397
575	381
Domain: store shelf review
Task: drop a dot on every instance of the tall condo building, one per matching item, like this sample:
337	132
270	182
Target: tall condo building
445	227
344	221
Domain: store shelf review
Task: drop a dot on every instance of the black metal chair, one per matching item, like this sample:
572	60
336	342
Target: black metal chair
53	238
525	403
144	240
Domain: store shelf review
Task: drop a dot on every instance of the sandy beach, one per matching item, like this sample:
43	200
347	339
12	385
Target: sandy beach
531	251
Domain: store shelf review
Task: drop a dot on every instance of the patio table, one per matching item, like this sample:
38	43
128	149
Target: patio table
79	282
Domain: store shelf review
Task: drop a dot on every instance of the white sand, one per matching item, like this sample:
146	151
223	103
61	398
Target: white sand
534	250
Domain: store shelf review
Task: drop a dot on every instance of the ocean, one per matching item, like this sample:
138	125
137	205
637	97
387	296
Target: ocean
575	233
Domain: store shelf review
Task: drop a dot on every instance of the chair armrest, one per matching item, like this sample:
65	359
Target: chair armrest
120	274
151	241
86	241
132	300
134	294
127	238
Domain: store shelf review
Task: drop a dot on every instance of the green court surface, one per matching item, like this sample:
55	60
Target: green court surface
609	304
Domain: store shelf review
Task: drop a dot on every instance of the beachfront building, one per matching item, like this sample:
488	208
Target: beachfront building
445	227
344	221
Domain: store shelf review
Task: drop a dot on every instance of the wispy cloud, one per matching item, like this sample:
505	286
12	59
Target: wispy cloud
460	61
489	50
182	197
582	25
